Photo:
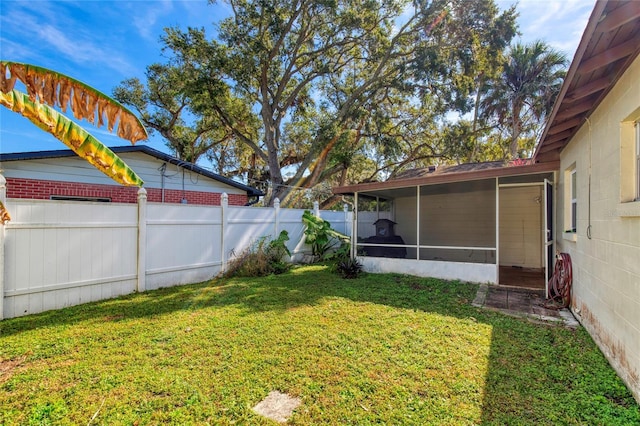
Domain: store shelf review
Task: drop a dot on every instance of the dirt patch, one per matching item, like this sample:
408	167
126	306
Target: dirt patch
8	366
277	406
114	317
417	286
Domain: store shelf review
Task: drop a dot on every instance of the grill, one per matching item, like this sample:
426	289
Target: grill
385	234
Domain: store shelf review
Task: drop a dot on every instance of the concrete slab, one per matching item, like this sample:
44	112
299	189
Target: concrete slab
277	406
522	303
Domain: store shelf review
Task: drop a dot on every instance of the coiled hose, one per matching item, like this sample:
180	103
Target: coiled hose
561	280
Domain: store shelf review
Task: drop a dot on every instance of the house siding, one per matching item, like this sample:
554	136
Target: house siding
605	249
75	177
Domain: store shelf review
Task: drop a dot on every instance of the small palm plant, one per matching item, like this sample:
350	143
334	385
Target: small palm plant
47	89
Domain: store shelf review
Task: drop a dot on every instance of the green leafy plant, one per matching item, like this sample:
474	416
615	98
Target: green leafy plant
264	257
343	264
320	236
277	252
348	268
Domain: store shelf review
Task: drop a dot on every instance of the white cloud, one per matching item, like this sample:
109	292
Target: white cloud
559	23
153	11
42	37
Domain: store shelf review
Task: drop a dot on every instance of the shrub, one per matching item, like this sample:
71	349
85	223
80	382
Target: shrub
348	268
320	236
262	258
343	264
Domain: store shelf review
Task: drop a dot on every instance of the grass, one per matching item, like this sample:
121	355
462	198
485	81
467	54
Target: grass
380	349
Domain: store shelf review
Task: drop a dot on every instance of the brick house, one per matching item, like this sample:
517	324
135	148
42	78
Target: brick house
62	175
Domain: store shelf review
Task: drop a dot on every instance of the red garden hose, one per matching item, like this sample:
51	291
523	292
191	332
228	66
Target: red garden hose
561	280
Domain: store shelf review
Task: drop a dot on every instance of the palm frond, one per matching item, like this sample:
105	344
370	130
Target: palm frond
61	91
72	135
4	214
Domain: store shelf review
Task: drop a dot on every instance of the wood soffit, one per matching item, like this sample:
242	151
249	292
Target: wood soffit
610	43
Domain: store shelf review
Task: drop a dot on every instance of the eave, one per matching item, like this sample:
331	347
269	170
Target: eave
529	169
610	43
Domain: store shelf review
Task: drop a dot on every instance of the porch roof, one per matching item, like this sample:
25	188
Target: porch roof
451	174
609	45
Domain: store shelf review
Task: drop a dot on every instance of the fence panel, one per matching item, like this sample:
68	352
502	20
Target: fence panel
339	220
63	253
245	225
183	244
291	221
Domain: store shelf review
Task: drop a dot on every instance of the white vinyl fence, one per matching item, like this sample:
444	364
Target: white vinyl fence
56	254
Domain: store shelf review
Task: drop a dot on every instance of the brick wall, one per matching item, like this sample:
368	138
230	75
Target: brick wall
44	189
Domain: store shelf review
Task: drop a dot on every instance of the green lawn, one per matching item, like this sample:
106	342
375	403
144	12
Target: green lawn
380	349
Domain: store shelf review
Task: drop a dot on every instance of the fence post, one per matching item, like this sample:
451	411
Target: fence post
225	222
142	240
345	209
276	206
316	209
3	199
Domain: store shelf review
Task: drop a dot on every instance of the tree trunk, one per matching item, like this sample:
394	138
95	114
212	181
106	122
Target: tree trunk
515	132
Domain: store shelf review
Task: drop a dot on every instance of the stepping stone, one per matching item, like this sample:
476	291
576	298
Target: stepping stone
277	406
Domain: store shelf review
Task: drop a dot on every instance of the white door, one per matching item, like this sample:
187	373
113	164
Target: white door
548	233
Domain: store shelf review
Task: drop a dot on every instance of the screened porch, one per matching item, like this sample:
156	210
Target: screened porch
485	230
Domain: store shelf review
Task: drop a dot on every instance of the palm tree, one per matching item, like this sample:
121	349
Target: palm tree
47	89
523	96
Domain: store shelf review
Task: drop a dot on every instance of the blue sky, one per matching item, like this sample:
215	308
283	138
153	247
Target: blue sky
104	42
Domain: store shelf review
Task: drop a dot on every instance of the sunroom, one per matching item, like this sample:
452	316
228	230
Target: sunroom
486	222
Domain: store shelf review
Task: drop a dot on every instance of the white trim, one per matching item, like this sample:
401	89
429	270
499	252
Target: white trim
184	222
547	240
386	245
460	248
426	247
74	284
573	200
417	222
510	185
354	230
70	225
182	268
630	209
497	225
463	271
637	146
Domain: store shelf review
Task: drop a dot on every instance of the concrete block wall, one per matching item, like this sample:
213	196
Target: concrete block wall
605	249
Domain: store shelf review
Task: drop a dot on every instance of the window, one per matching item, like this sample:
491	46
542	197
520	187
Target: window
637	128
70	198
574	201
570	199
630	164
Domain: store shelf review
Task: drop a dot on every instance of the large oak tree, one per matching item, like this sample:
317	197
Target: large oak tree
300	92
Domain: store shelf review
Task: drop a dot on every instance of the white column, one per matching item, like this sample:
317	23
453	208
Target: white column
223	231
354	227
276	208
345	209
497	231
417	223
3	199
142	240
316	209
